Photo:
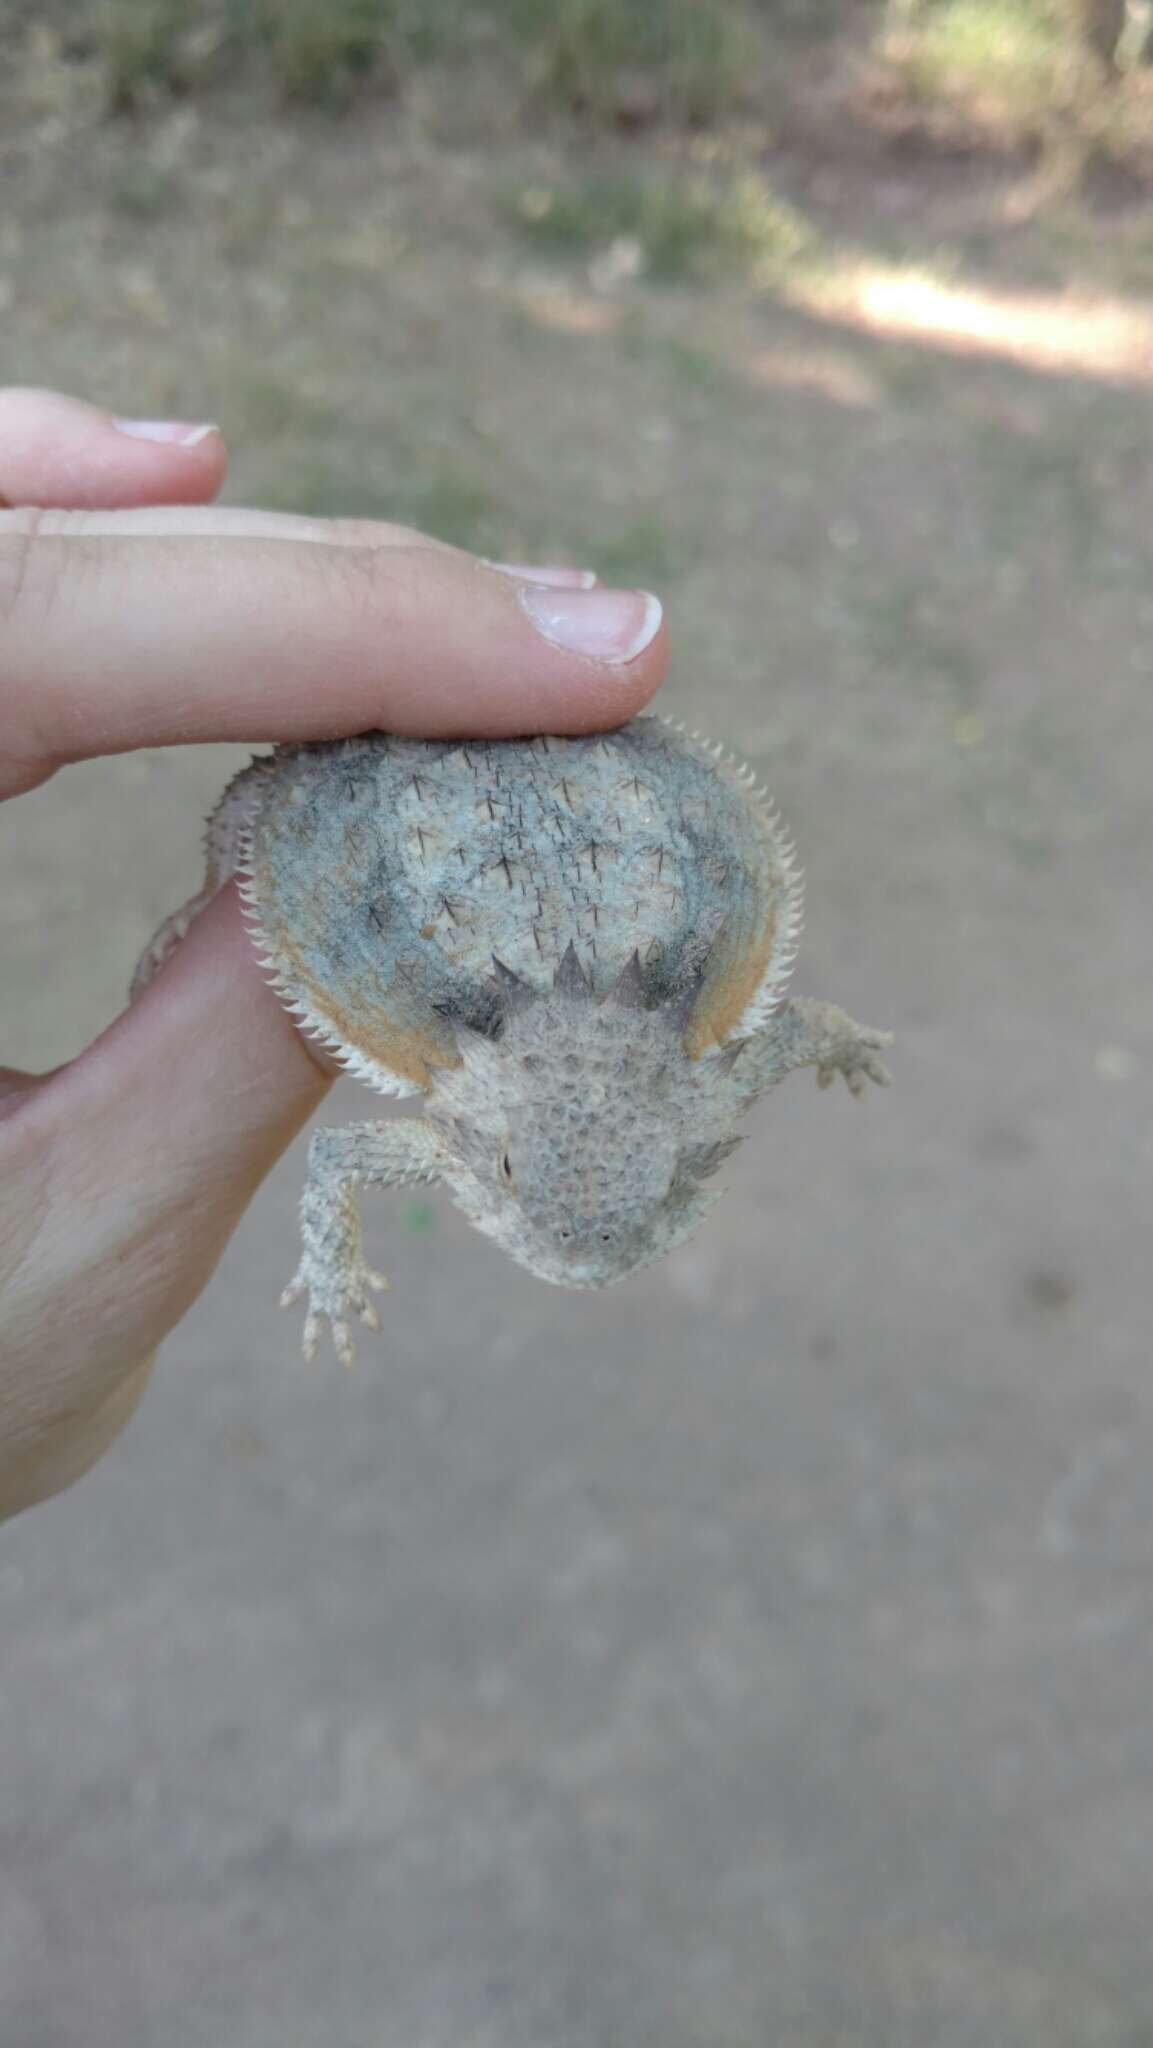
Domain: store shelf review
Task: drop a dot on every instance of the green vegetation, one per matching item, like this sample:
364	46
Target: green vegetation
670	224
147	51
617	61
1071	76
1008	58
324	54
679	60
1068	80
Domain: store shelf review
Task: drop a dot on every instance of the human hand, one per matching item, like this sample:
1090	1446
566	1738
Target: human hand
135	614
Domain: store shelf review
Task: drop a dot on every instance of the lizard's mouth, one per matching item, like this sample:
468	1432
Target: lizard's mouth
580	1277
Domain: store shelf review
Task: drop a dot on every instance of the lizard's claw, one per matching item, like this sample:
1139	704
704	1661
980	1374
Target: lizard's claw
858	1062
335	1305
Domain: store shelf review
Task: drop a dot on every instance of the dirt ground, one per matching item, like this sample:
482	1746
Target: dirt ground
760	1655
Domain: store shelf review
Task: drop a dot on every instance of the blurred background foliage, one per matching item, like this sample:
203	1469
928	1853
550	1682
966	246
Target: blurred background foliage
1022	71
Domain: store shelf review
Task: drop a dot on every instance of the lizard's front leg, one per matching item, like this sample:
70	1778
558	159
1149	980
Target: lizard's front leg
223	839
332	1272
804	1033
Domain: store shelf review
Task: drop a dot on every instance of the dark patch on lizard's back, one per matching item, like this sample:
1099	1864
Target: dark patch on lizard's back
388	873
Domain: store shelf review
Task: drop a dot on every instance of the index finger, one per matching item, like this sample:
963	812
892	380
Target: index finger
115	634
56	450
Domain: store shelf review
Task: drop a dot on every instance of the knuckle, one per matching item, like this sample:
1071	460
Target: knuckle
380	536
37	548
19	534
378	587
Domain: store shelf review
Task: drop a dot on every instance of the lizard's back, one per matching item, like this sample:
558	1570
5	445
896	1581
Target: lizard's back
385	874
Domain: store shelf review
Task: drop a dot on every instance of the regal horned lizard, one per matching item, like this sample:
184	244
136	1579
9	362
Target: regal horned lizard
575	949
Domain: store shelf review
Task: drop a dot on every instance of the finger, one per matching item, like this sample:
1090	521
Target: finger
236	522
109	642
13	1083
133	1164
248	1078
51	1448
59	451
124	1189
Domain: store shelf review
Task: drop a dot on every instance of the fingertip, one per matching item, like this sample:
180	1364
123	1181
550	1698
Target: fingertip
165	462
60	452
640	679
590	695
508	657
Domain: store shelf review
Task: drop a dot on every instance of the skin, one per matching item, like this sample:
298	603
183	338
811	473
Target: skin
133	614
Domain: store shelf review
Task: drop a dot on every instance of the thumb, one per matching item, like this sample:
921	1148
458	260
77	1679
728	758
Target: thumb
121	1179
185	1102
133	1165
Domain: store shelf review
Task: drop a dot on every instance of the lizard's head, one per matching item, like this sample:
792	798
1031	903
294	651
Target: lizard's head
579	1134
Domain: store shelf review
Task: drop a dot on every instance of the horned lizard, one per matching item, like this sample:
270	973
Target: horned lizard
575	949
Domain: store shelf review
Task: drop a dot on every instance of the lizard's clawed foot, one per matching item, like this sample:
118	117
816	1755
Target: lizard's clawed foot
335	1301
857	1059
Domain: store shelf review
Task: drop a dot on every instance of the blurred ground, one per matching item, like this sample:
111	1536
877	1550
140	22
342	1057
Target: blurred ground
761	1655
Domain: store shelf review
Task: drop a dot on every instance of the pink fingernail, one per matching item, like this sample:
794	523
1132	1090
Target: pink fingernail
176	433
560	579
606	625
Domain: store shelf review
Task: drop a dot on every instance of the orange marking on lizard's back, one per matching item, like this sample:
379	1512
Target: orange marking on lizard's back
730	986
410	1051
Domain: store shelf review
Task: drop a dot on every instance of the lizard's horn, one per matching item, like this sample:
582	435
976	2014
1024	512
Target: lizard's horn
570	978
513	992
629	987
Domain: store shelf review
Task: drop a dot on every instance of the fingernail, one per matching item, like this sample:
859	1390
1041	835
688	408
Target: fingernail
560	579
177	433
606	625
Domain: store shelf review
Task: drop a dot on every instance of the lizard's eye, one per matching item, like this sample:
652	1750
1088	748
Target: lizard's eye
504	1168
